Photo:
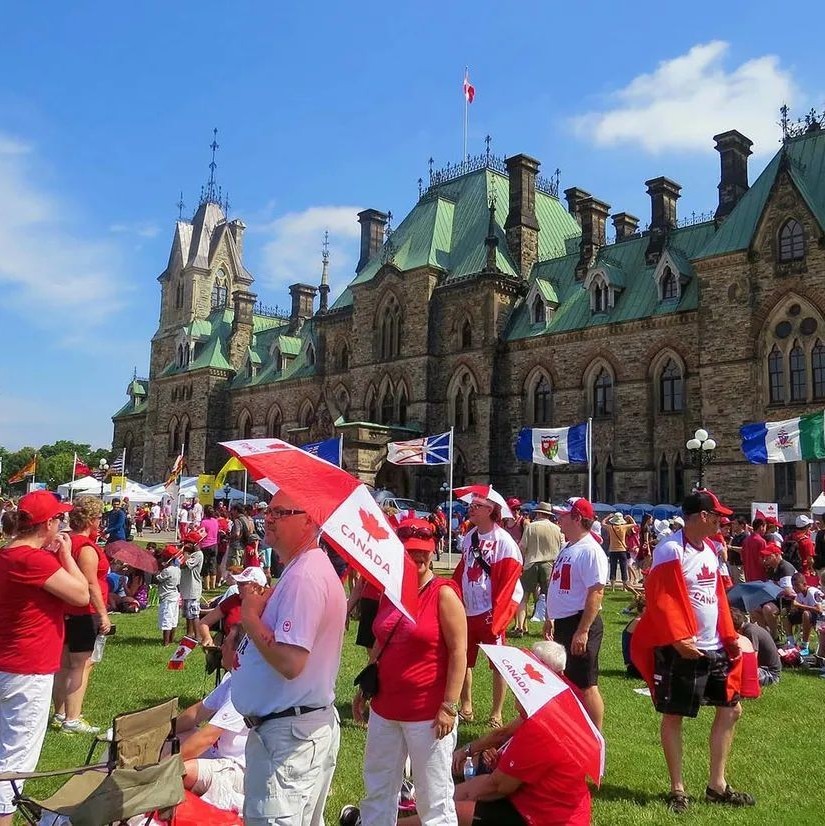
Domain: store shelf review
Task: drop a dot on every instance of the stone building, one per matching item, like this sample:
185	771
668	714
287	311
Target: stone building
493	305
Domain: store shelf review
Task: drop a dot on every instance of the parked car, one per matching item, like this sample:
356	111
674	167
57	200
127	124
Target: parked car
389	499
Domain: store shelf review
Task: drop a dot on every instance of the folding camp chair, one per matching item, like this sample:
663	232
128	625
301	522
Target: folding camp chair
134	778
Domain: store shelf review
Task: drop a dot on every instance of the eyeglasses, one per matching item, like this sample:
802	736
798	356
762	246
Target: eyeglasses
411	532
475	505
280	513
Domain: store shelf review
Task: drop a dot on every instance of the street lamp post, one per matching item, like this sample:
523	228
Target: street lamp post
226	490
701	449
104	466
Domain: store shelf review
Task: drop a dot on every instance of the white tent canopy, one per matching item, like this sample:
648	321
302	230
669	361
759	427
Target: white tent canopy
189	490
134	492
84	485
818	506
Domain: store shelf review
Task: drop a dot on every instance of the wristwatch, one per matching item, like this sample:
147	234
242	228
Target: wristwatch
450	708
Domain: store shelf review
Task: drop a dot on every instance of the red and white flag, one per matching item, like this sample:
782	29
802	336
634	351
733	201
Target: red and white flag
553	710
185	647
81	468
343	507
469	89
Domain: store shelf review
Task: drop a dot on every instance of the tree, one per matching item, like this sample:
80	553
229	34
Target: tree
54	463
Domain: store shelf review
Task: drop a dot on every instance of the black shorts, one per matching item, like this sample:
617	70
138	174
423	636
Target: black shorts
81	631
499	812
681	685
368	609
582	671
210	561
795	615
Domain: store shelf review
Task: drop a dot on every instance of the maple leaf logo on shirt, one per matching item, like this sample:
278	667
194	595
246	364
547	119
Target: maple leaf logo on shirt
474	573
372	526
705	577
533	673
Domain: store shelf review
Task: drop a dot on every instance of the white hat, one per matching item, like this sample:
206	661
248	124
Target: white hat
677	520
662	527
774	539
251	574
617	518
803	521
596	528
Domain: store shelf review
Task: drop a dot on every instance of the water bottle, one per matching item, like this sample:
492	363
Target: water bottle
100	644
469	768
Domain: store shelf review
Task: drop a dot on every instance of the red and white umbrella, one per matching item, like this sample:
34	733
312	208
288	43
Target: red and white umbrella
553	710
467	493
349	517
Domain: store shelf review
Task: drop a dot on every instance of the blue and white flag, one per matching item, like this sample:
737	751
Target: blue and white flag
553	445
329	450
428	450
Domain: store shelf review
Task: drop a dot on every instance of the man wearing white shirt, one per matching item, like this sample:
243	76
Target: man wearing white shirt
197	513
284	677
574	602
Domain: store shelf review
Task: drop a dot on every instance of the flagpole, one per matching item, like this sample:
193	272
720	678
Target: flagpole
244	487
450	509
466	113
71	484
34	475
590	459
341	451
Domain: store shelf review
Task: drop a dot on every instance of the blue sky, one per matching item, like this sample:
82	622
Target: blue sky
106	115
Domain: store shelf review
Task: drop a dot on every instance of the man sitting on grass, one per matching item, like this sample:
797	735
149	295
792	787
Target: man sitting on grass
213	753
808	607
767	654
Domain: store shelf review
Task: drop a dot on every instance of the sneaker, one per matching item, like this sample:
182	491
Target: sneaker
79	726
730	797
350	816
804	650
57	721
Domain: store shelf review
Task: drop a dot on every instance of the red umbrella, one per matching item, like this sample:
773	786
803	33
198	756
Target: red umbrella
132	555
553	710
350	518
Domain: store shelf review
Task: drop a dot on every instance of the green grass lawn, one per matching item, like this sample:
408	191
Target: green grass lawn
775	753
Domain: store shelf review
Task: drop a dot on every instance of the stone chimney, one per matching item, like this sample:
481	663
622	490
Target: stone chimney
240	339
237	228
574	196
593	216
303	299
663	196
521	226
733	148
625	225
372	223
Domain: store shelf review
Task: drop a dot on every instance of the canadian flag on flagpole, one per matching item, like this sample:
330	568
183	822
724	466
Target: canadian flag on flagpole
469	89
185	647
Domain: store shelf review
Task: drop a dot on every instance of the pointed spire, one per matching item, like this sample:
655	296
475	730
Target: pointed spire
212	193
491	241
324	287
180	205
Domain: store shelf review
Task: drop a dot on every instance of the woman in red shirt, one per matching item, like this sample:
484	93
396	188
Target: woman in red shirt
38	576
82	624
421	668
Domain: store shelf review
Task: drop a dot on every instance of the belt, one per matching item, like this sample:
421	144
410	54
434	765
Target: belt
295	711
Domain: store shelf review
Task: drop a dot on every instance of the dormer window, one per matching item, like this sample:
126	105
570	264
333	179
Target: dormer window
670	285
791	241
603	283
541	301
539	311
599	297
671	274
279	361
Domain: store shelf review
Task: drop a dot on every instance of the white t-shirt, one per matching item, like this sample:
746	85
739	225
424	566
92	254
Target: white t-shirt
578	567
476	587
197	513
699	567
183	515
155	512
232	742
307	609
812	596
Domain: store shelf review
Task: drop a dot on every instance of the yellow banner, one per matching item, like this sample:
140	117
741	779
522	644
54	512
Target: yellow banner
118	484
233	464
206	489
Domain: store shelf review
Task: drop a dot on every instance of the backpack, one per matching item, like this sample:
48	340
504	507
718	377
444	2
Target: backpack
790	552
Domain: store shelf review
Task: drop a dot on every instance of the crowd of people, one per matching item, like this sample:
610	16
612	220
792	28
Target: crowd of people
265	741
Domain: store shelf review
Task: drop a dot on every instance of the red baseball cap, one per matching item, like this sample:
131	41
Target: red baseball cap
704	500
513	502
416	534
41	505
171	551
577	505
770	549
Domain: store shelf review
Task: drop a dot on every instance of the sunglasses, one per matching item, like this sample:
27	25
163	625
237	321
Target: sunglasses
280	513
408	532
475	505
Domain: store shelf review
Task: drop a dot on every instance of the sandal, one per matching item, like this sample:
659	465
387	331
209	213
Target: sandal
466	717
494	722
677	802
730	796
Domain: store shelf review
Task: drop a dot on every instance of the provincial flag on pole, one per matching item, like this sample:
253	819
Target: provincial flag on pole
791	440
329	450
116	468
81	468
176	471
233	464
428	450
27	470
553	445
185	647
469	89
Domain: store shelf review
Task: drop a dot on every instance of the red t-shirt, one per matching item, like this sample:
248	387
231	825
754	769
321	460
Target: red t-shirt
412	669
80	541
752	558
230	608
31	619
553	793
806	546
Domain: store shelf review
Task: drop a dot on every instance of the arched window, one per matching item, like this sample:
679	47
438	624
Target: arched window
539	310
402	406
472	418
245	425
389	330
791	241
462	394
179	294
310	355
466	335
459	470
372	406
387	407
776	375
678	480
671	396
220	291
342	363
599	297
603	394
798	374
818	369
305	416
609	481
670	285
663	489
174	437
273	423
184	433
541	401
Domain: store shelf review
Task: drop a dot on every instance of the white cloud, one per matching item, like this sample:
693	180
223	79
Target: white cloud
142	230
690	98
48	260
293	251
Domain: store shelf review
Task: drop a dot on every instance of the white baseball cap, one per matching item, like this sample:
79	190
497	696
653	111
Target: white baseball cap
251	574
802	521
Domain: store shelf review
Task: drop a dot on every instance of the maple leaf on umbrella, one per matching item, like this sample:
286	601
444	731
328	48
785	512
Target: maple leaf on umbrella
372	526
533	673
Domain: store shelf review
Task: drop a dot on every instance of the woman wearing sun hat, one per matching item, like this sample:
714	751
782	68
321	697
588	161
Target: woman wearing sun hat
421	668
38	577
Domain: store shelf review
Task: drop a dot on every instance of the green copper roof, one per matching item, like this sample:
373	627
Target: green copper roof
289	345
212	355
447	227
132	408
806	164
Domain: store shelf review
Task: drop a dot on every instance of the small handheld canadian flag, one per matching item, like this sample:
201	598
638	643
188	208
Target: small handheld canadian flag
184	649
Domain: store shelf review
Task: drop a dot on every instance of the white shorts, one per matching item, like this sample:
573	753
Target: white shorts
168	614
24	716
220	782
